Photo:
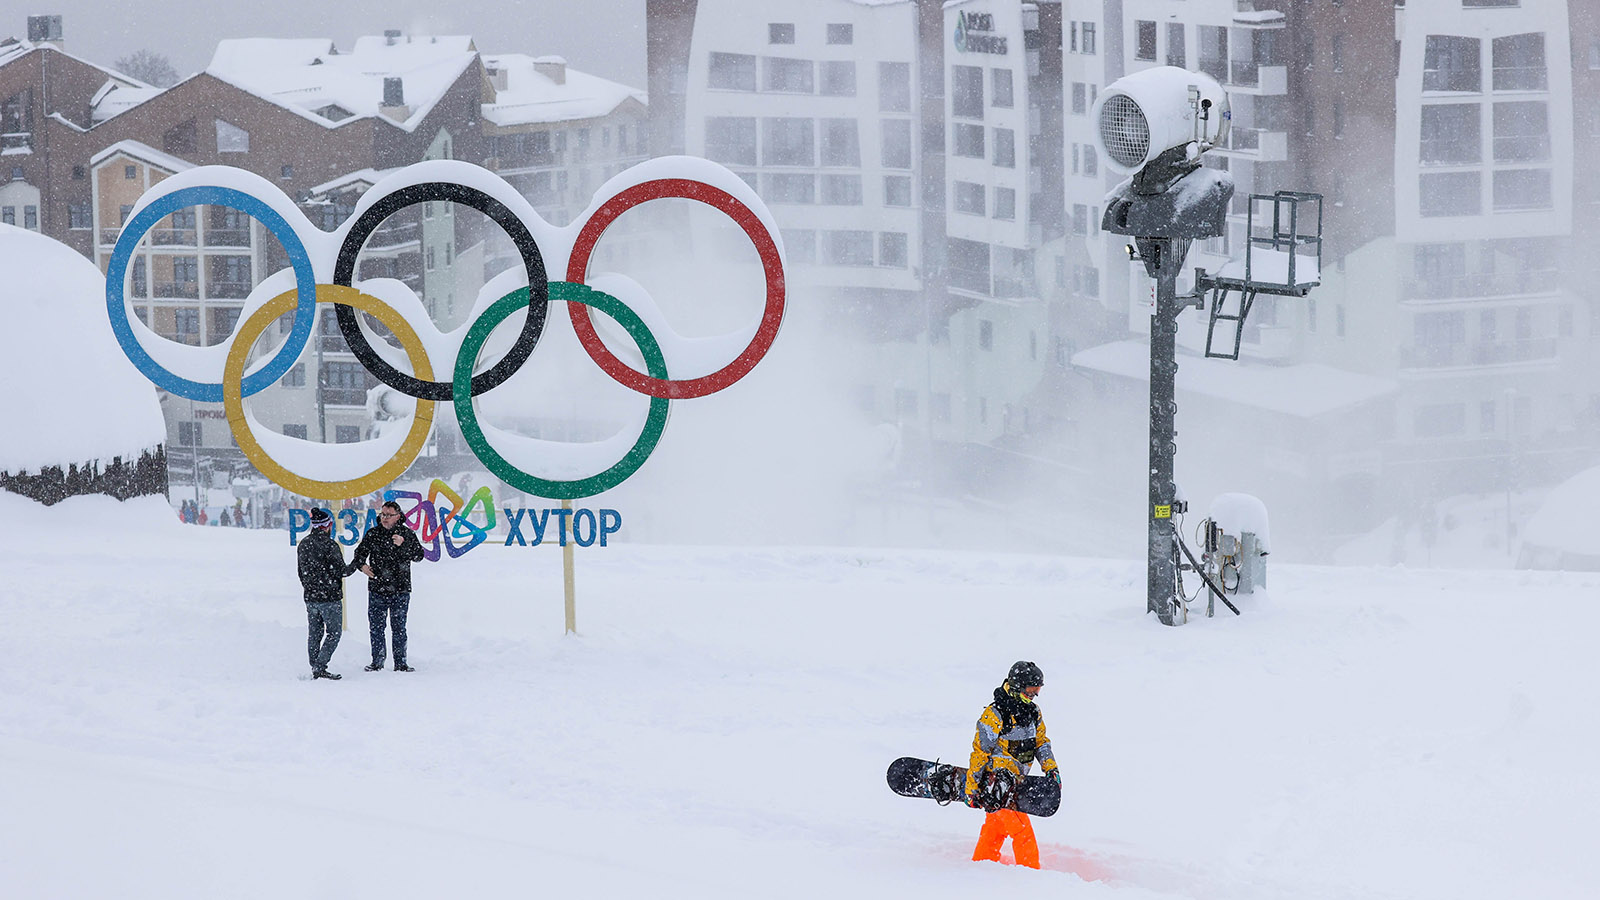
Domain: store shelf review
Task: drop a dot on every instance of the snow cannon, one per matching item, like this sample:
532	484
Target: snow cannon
1160	112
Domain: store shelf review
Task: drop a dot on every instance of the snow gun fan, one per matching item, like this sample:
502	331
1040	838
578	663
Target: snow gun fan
1154	126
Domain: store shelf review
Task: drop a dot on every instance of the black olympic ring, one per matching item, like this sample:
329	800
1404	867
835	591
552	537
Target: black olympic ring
538	287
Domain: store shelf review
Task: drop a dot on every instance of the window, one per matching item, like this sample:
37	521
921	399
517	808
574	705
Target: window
1144	43
295	431
123	212
985	334
847	248
841	143
1594	54
1450	194
1080	218
296	376
1005	148
346	434
1450	134
1088	38
893	249
800	246
1213	51
897	190
841	190
189	434
1519	63
841	34
789	76
1484	4
79	173
966	92
968	264
1080	98
1516	189
780	33
1000	81
345	382
968	140
1176	55
969	198
185	269
1005	203
788	142
838	78
732	72
80	215
782	188
185	322
30	217
1336	51
731	140
894	87
1338	116
905	402
1486	416
1091	160
896	143
1521	132
1451	63
286	172
130	172
181	138
231	138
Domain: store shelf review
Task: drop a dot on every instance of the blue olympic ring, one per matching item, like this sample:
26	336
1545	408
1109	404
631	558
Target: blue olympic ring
304	278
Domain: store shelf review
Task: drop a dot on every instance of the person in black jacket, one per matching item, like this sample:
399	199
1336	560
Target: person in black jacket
322	571
385	555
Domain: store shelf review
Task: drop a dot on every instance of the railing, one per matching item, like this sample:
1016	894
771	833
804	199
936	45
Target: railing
189	290
228	290
344	396
1493	284
169	237
227	237
393	236
1481	354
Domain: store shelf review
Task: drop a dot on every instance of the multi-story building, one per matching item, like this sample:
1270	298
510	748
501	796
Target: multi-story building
911	152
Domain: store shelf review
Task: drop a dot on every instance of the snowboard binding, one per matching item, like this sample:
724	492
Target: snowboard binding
996	788
945	783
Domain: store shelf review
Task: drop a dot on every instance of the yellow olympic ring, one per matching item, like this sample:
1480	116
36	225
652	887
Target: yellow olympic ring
233	394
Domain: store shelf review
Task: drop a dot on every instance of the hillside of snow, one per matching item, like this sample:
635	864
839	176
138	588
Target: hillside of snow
721	724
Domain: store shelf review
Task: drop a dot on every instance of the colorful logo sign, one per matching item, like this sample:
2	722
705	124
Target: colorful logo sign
447	528
973	34
324	267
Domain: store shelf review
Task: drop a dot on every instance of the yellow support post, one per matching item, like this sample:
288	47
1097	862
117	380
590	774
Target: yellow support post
566	571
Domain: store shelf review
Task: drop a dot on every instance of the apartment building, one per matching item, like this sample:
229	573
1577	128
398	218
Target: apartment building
911	154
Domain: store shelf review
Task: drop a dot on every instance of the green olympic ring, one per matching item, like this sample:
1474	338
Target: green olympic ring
461	394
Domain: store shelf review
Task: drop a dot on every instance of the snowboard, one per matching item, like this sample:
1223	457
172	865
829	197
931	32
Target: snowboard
908	776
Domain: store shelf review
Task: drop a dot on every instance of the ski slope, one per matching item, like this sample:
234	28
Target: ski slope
721	725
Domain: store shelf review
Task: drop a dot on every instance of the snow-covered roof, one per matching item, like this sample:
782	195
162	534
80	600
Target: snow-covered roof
145	152
310	74
60	409
368	176
16	48
533	97
119	94
1307	390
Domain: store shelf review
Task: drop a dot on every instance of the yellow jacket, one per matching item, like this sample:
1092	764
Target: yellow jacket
1011	746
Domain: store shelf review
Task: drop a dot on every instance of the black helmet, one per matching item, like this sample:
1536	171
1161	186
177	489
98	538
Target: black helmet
1024	674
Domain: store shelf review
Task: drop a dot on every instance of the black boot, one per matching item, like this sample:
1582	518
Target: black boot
324	673
402	667
375	666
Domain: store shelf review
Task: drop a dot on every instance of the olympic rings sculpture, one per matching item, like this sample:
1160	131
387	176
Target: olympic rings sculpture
323	267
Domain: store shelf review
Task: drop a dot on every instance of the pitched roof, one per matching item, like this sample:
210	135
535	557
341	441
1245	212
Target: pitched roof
532	97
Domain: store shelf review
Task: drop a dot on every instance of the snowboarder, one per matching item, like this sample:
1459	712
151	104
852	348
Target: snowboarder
391	548
1009	739
322	571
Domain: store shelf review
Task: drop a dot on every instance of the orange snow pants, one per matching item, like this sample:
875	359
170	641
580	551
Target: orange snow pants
1003	824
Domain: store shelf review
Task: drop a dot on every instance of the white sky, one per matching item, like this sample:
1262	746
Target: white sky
604	37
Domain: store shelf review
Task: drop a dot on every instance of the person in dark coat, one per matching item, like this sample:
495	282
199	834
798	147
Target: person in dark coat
385	555
322	571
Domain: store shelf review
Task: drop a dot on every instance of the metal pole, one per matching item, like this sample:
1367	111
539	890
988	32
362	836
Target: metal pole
1162	570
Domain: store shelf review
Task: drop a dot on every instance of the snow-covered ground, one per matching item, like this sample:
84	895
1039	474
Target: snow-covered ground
721	725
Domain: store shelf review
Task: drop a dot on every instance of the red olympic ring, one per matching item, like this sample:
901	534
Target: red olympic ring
771	264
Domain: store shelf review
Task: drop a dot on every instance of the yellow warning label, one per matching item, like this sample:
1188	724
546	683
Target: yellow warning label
1164	511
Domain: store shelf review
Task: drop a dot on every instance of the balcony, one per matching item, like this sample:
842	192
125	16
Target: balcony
1492	284
394	237
1247	77
344	397
1491	353
174	237
185	290
1256	144
227	237
16	142
228	290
